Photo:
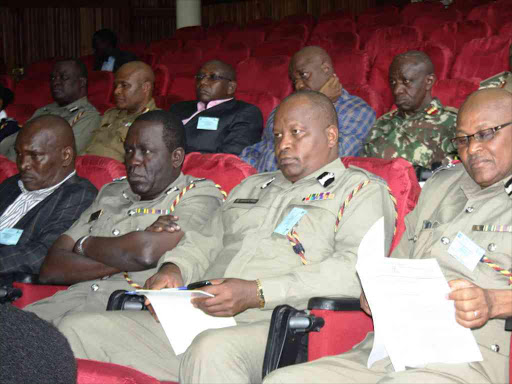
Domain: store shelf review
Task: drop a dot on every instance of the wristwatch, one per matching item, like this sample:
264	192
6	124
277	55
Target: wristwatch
79	246
261	297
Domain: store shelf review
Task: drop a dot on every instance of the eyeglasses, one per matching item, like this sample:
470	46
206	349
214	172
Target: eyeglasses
211	77
481	136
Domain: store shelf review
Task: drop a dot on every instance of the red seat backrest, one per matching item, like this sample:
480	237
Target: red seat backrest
455	35
251	37
20	112
183	87
8	82
8	168
487	56
381	16
183	61
398	35
229	53
99	170
336	15
430	22
162	80
337	41
453	92
369	95
352	67
401	179
40	69
265	74
328	27
101	87
224	169
211	42
88	60
33	91
506	30
161	47
188	33
413	10
263	100
223	28
287	31
305	19
285	47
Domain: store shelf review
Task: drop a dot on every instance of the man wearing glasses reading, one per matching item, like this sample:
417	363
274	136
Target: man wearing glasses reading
216	122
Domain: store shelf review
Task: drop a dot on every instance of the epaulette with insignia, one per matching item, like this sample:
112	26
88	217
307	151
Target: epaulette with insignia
199	179
74	109
433	110
267	183
119	178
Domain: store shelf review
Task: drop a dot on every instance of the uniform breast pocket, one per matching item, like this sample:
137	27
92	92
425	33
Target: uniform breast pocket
242	217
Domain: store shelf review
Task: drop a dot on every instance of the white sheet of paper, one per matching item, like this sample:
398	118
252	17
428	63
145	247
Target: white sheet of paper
372	245
414	322
180	320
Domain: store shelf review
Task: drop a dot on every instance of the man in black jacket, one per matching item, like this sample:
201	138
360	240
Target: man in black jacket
107	57
44	199
216	122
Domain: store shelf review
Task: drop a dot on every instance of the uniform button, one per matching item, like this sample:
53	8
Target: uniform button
95	287
495	348
445	240
415	238
116	232
138	229
90	229
131	212
491	247
469	209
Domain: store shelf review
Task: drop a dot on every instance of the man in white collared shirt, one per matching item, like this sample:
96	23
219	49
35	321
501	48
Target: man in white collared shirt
44	199
216	122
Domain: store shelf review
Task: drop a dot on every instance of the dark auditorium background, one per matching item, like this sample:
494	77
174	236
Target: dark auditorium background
29	33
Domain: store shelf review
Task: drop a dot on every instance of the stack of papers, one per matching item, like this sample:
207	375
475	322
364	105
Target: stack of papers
414	322
181	321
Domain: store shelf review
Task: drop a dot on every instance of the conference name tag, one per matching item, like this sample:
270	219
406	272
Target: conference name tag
10	236
208	123
289	221
466	251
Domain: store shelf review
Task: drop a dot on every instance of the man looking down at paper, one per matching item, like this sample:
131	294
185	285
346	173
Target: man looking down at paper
273	242
115	234
473	198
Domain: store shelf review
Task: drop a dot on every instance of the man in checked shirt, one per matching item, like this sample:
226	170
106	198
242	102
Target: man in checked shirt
311	69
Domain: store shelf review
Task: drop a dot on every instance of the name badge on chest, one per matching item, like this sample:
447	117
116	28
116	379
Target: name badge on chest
289	221
208	123
466	251
10	236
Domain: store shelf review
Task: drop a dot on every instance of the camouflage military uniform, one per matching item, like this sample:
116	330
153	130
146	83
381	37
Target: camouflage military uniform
423	138
108	139
80	114
501	80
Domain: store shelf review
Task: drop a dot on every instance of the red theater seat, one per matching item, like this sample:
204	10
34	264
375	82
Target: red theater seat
40	69
506	30
486	56
223	28
352	67
453	92
413	10
99	170
101	87
7	168
250	37
20	112
211	42
336	15
430	23
328	27
369	95
285	47
88	60
162	80
396	36
184	87
232	53
455	35
337	41
265	74
182	62
263	100
8	82
161	47
189	33
33	91
289	31
305	19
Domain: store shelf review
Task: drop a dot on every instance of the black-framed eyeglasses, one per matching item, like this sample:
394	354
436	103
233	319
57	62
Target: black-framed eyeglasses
481	136
211	77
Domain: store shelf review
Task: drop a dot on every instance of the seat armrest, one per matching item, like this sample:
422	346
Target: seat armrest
334	304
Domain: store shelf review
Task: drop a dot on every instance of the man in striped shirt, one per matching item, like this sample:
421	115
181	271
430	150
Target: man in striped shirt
311	68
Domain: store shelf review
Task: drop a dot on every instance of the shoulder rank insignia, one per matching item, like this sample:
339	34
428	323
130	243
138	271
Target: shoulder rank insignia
508	187
319	196
119	178
171	190
74	109
267	183
432	110
326	179
199	179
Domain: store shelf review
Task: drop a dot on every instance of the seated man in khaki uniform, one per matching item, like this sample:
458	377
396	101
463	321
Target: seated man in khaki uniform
474	198
133	94
281	237
421	128
115	234
501	80
68	86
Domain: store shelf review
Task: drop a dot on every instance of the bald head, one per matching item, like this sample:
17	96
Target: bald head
417	58
310	68
45	152
223	69
487	156
133	86
305	133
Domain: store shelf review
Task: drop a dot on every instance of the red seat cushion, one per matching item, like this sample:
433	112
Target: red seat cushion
97	372
453	92
35	292
263	100
8	168
101	87
99	170
265	74
487	56
224	169
352	67
506	30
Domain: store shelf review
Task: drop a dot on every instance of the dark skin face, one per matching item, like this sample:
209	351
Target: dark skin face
102	48
304	142
42	160
410	85
150	166
307	72
131	91
66	85
491	161
208	90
